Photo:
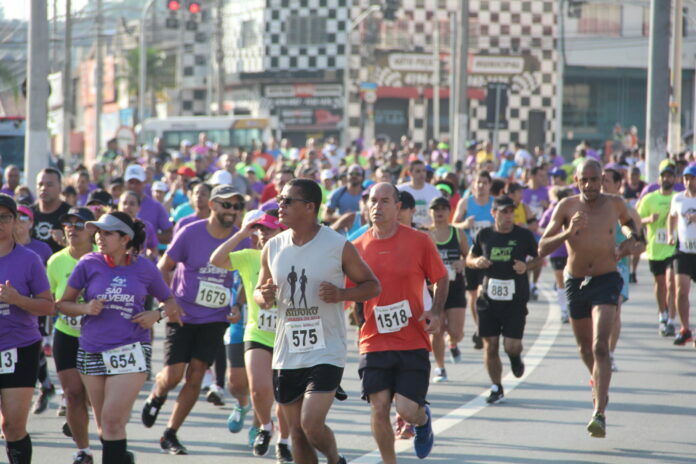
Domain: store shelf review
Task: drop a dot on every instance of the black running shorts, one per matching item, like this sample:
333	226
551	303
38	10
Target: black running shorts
686	264
404	372
290	385
584	294
506	318
26	368
200	341
65	350
658	268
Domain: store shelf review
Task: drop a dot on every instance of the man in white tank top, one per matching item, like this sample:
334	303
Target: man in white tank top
303	272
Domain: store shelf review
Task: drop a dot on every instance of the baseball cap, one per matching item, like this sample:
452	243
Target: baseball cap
25	210
111	223
225	191
135	171
100	197
178	155
407	200
440	201
220	177
327	174
667	165
252	216
558	172
159	186
269	221
79	212
690	170
186	143
186	171
503	202
9	203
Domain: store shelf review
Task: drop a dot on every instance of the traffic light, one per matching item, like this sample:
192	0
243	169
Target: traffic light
194	7
173	5
389	9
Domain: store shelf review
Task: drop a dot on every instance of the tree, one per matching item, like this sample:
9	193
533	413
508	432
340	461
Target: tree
161	74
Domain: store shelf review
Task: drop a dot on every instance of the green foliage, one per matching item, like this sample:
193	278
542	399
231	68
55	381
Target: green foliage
161	71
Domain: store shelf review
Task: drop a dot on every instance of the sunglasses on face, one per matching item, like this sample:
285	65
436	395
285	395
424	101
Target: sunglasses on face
287	201
78	225
230	205
24	218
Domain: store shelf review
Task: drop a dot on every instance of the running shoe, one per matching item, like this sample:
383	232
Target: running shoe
683	337
283	453
341	460
440	375
597	426
44	397
455	355
534	293
253	431
48	350
614	367
423	442
564	317
341	394
262	441
151	409
497	395
130	457
517	366
235	421
82	457
478	343
663	328
170	444
66	430
632	278
215	395
670	330
62	410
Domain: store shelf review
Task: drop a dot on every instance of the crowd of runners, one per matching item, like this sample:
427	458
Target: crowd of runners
259	260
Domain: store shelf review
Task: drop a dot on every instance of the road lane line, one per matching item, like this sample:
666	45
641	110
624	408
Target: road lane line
541	347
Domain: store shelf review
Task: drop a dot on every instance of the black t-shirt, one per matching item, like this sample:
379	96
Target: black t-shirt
45	222
502	250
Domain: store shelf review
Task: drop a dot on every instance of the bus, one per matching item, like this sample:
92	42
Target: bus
228	131
12	129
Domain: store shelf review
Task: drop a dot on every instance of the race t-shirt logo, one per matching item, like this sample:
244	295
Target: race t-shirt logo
43	230
293	281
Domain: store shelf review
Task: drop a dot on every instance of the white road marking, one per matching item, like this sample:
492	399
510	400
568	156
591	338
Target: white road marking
532	359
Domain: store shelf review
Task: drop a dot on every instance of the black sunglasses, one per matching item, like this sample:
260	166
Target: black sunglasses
79	225
230	205
287	201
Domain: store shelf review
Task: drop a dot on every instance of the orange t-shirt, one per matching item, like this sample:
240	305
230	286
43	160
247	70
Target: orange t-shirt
401	264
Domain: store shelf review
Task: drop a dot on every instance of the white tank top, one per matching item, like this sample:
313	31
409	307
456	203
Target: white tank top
309	332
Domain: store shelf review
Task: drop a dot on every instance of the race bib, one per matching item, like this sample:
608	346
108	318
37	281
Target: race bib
689	246
500	290
305	336
73	323
125	359
393	317
267	320
661	236
451	272
478	225
212	295
8	361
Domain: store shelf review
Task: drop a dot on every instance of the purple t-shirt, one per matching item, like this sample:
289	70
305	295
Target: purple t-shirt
40	248
23	268
183	222
536	199
154	212
151	241
198	286
123	290
561	251
7	190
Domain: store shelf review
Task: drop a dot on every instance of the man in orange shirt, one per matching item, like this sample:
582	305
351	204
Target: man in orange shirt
394	340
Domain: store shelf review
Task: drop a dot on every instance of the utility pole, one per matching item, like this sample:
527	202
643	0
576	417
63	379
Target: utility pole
658	87
675	112
67	85
99	84
142	66
560	69
452	79
461	123
220	59
436	79
36	147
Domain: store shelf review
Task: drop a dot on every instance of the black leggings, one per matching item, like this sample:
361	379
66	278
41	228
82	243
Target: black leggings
220	366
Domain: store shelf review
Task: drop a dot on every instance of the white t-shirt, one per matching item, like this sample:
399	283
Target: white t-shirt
686	230
423	198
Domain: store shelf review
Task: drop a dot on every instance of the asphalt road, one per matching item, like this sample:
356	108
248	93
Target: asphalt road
650	418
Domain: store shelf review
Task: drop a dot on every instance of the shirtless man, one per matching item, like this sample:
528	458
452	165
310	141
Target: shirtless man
586	222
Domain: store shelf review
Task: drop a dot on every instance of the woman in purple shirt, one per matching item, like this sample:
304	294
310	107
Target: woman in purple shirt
115	344
129	203
24	295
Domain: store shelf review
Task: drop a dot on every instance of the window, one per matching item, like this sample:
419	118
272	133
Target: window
579	106
600	19
306	30
247	36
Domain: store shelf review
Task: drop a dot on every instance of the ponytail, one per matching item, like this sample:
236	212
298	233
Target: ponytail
139	236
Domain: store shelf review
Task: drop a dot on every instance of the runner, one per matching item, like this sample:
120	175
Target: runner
115	351
453	247
259	334
654	210
202	292
682	220
501	252
310	350
586	222
394	342
473	214
24	294
67	333
422	192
